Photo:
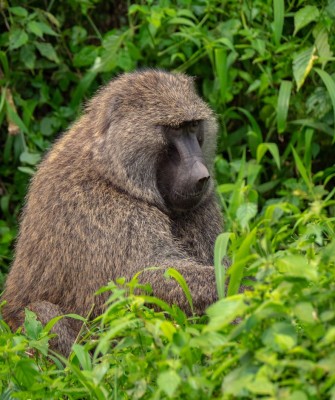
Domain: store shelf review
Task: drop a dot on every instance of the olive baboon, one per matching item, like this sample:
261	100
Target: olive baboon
127	187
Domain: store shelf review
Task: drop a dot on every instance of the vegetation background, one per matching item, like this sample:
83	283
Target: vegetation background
267	69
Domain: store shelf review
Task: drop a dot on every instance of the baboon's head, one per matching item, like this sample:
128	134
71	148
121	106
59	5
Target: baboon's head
155	138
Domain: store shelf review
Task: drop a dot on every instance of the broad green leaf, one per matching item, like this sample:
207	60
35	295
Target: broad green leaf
32	326
272	148
226	42
302	65
83	356
27	56
305	16
85	57
224	312
330	85
281	336
19	11
298	395
261	386
168	382
40	28
296	266
245	213
220	252
47	51
305	312
279	14
26	373
17	38
30	158
322	45
283	104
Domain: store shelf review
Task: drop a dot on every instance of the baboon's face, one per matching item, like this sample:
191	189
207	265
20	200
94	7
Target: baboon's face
183	178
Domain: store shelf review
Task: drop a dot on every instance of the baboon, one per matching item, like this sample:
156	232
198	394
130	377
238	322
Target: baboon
129	186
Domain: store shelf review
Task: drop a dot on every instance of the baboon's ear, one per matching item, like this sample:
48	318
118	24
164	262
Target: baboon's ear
115	103
108	113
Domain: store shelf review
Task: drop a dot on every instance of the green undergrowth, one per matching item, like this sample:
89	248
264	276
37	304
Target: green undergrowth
274	342
266	67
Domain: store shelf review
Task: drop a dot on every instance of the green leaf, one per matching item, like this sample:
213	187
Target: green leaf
296	266
226	187
241	257
272	148
245	213
173	273
283	104
40	28
220	252
322	45
47	51
32	327
17	38
30	158
305	312
255	136
83	356
301	168
221	71
330	85
19	11
281	336
302	65
14	117
4	63
26	373
26	170
168	382
305	16
85	57
279	13
224	312
27	56
181	21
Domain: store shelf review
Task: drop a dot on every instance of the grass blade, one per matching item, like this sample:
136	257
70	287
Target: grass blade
173	273
220	251
242	257
283	104
272	148
221	71
278	11
301	169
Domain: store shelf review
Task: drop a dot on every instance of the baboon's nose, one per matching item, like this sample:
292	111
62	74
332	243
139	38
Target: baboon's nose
200	175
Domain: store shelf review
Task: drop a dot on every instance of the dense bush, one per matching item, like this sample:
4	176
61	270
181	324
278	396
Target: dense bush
266	68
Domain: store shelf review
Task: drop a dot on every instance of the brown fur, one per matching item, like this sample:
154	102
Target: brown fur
94	213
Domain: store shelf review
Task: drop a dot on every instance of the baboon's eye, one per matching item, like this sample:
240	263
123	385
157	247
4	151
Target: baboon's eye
200	139
193	126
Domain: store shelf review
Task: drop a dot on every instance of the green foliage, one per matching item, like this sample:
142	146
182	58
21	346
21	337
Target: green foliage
266	68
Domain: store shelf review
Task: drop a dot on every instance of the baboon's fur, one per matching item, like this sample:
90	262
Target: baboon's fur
94	213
